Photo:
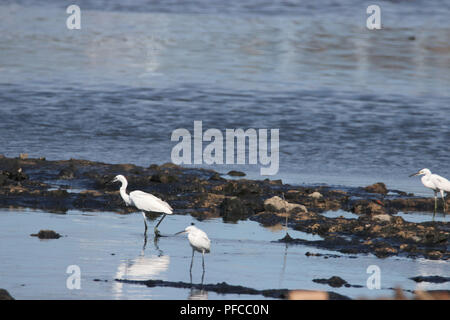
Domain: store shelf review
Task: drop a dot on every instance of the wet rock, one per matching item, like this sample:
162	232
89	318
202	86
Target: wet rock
3	179
233	209
431	279
46	234
163	178
315	195
276	204
216	177
434	255
234	173
368	208
4	295
169	165
382	217
335	282
385	252
67	173
378	187
225	288
14	174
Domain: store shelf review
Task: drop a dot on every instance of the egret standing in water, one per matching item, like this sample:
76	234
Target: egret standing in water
435	183
144	202
199	241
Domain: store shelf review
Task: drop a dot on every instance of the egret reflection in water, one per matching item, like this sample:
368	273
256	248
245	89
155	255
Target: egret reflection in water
141	268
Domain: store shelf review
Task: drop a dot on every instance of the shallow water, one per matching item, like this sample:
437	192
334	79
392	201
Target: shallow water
353	106
107	246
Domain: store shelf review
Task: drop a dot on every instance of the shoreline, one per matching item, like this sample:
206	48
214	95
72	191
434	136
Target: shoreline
59	186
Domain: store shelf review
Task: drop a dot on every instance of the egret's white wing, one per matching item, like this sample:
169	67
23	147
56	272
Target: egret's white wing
148	202
200	240
441	183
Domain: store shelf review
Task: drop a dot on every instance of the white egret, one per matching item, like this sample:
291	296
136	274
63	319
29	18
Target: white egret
435	183
144	202
199	241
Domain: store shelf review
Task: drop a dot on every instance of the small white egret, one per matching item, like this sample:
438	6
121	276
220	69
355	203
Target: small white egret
199	241
435	183
144	202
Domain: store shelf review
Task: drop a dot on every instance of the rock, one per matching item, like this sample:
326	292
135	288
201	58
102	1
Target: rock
382	217
432	279
276	204
368	208
233	209
169	165
434	255
93	193
378	187
4	295
315	195
335	282
384	252
163	178
3	179
234	173
67	174
216	177
46	234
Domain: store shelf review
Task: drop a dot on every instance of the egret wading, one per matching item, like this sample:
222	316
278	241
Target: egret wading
144	202
199	241
435	183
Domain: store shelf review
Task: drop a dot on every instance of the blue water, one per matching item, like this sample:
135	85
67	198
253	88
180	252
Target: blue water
353	106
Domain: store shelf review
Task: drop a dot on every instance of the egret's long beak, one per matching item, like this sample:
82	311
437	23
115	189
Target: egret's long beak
414	174
182	231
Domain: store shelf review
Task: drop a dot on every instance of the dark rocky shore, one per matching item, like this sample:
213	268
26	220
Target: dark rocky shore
58	186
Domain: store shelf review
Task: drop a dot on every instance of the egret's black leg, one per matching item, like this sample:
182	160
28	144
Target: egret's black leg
145	241
435	204
203	260
192	260
156	227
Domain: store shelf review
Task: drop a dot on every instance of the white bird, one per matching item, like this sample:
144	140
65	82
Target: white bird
144	202
199	241
435	183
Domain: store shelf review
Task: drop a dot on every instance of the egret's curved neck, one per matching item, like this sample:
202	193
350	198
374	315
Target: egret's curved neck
123	193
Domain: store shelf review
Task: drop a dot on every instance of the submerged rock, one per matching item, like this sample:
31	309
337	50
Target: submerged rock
335	282
431	279
234	173
46	234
